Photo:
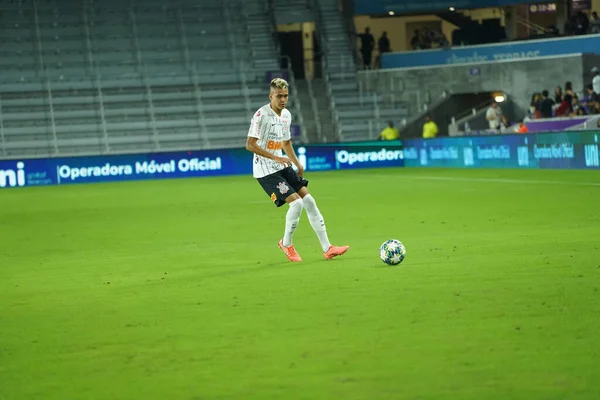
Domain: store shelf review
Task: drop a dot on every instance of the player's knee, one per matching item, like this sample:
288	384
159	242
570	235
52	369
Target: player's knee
298	203
309	202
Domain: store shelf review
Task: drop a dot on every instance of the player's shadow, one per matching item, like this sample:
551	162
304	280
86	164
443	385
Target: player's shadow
251	269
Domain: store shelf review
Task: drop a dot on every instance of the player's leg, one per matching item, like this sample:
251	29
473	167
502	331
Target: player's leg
281	193
315	218
314	215
318	224
292	217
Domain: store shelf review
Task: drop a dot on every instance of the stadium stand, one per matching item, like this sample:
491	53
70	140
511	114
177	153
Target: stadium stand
118	76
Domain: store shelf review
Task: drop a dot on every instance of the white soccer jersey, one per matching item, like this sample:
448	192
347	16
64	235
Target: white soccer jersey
271	131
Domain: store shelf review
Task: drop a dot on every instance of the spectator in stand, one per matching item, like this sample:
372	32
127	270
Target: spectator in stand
581	23
558	95
440	39
535	106
591	100
577	107
546	105
367	44
569	88
566	106
389	133
383	44
495	117
553	30
594	23
430	128
522	128
415	40
596	80
568	27
425	40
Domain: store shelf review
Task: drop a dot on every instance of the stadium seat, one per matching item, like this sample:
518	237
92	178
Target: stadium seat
110	78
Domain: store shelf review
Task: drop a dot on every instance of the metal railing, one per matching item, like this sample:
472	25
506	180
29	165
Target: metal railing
200	107
102	114
51	110
2	129
88	42
322	32
468	115
155	138
296	99
270	7
538	29
184	41
348	15
315	110
136	43
38	36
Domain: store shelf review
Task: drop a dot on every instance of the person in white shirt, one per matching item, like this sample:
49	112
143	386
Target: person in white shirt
269	134
495	117
596	80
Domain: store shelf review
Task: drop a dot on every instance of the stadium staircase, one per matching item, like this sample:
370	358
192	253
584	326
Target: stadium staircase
358	115
291	11
313	102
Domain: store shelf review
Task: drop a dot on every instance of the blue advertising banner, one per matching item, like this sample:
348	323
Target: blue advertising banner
493	52
579	150
573	150
57	171
351	156
366	7
61	171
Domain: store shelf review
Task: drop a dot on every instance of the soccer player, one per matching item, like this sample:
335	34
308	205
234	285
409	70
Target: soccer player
270	133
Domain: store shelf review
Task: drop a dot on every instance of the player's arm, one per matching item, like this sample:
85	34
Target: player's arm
289	151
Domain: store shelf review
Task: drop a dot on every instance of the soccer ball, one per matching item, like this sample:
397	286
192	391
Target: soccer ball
392	252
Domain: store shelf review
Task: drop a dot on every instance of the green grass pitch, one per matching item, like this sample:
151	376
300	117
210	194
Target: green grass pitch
176	289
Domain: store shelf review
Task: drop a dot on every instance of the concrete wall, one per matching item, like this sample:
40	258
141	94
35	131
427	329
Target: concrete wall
519	79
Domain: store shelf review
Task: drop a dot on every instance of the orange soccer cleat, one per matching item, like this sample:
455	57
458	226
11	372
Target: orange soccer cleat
335	251
290	252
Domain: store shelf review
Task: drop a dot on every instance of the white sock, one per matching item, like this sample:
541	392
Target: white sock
316	221
291	221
